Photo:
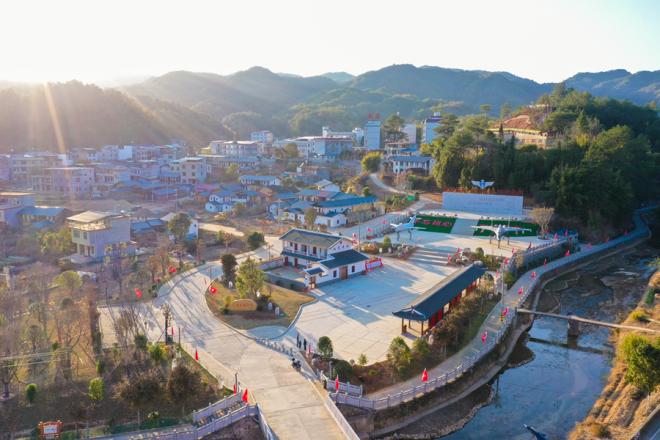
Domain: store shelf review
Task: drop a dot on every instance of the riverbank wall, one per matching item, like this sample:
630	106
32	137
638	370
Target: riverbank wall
486	369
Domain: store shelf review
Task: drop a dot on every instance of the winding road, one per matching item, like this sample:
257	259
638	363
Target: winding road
291	403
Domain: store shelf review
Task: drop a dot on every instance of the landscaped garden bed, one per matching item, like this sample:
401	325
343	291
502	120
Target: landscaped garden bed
288	301
434	223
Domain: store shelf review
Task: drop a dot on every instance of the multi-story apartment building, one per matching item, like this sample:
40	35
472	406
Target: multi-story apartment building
146	152
97	234
410	130
429	126
144	169
249	179
401	164
76	182
263	136
11	203
24	166
319	146
372	134
5	167
234	148
107	176
191	169
216	164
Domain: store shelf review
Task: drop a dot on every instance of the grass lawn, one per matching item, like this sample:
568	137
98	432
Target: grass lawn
287	300
434	223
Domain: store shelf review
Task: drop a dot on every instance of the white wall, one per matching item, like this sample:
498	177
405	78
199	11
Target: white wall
483	203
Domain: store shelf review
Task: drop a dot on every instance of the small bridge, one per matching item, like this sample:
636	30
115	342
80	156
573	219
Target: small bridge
574	320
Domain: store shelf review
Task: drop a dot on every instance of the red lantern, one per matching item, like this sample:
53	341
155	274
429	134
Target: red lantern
196	355
213	290
138	293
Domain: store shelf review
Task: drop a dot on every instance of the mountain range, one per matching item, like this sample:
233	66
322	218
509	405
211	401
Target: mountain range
196	107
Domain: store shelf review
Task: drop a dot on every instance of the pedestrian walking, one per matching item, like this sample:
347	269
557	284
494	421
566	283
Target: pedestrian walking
305	344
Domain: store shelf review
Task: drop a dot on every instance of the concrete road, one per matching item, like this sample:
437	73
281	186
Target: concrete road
292	405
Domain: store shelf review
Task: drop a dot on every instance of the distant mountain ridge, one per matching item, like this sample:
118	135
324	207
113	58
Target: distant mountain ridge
196	107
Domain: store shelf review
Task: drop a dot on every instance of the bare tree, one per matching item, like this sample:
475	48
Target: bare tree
70	329
543	216
10	338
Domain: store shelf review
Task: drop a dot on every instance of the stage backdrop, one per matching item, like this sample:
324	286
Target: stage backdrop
488	204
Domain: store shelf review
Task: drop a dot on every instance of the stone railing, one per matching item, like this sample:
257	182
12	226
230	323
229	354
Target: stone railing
527	283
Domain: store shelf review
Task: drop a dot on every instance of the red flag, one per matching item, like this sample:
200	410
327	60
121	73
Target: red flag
484	337
235	390
425	376
138	293
520	291
568	253
506	311
337	384
196	355
533	274
171	269
245	396
213	290
545	261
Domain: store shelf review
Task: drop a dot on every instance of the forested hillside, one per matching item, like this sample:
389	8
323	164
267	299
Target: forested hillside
605	163
60	116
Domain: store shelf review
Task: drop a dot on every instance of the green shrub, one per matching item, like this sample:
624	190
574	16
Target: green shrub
344	370
362	360
650	296
639	315
387	242
420	348
325	347
96	389
399	355
642	358
31	392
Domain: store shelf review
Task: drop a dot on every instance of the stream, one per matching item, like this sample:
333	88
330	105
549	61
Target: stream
557	388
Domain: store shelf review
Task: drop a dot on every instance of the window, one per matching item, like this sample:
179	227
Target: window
314	250
353	269
334	274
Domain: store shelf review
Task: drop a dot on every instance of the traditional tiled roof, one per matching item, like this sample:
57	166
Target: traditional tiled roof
297	255
352	201
312	238
343	258
434	299
418	159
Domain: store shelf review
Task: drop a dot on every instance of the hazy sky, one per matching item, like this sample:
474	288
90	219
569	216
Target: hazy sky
94	40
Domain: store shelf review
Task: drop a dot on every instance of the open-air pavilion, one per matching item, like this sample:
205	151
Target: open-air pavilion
429	308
